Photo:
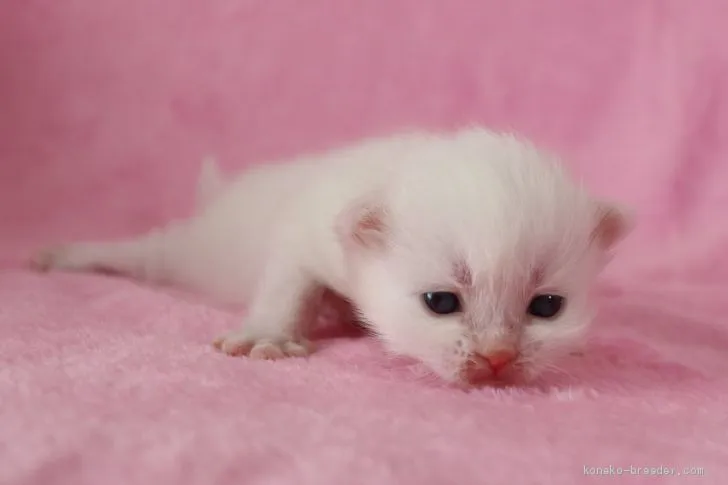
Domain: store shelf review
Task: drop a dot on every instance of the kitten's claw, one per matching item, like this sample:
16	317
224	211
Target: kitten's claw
239	344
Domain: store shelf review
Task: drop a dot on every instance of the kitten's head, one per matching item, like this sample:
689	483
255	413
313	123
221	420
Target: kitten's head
478	257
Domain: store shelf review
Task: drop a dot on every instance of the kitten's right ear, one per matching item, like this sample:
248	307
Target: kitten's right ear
363	225
613	223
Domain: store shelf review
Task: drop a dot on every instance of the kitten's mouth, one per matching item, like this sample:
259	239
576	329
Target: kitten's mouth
479	376
496	382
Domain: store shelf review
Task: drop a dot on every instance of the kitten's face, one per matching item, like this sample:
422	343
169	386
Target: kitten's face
512	317
478	258
483	302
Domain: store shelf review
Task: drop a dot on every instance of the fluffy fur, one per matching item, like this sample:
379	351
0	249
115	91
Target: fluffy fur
484	215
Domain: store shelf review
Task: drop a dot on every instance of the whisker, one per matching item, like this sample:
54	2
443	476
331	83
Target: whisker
558	370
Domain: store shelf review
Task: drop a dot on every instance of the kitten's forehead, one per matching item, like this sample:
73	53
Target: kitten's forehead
490	205
498	208
514	258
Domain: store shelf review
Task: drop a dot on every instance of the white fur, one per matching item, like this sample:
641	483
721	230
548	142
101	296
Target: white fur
277	234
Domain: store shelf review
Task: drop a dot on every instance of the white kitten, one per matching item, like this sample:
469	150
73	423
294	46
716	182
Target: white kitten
470	251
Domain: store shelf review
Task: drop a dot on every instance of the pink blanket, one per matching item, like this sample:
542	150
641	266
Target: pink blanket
106	108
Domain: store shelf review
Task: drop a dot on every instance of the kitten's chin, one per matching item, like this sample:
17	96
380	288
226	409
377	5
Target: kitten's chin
513	376
498	382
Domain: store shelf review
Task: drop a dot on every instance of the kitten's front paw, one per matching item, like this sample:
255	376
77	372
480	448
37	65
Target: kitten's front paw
239	343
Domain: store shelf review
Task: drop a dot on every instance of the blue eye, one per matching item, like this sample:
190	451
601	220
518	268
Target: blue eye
442	302
545	306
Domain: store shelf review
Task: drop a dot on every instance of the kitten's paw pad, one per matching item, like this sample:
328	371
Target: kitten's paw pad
240	344
278	350
48	258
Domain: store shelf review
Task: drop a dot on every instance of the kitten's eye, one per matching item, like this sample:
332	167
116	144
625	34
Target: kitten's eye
545	306
442	302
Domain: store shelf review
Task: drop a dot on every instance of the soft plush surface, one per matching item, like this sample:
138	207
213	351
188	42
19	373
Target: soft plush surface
106	108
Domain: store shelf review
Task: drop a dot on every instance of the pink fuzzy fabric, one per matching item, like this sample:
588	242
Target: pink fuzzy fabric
106	108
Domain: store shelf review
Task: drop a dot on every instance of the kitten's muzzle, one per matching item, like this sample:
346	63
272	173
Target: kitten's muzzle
485	367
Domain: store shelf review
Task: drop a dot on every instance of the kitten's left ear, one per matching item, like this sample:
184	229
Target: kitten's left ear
363	225
613	223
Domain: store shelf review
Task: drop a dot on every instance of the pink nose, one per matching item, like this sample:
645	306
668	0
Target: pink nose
499	359
485	367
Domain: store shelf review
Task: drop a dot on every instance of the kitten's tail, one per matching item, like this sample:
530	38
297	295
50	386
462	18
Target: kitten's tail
209	183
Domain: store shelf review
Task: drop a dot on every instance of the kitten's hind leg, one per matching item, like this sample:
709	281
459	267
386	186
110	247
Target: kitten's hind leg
146	257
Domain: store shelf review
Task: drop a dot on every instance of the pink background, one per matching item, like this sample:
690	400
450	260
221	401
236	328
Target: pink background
106	108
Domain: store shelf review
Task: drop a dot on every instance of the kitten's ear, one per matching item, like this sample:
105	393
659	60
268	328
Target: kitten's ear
363	225
613	223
